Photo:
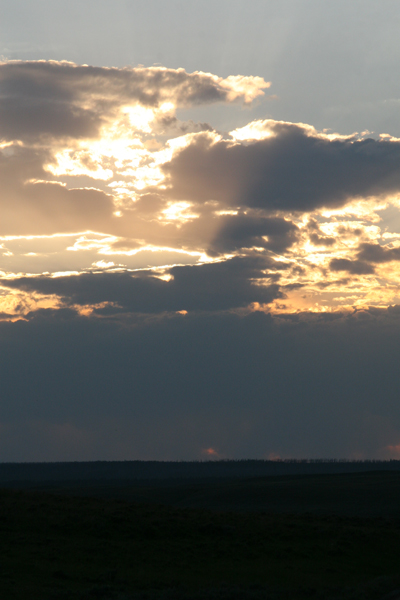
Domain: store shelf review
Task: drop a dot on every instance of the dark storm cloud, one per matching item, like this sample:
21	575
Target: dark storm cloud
63	99
215	286
355	267
302	385
244	231
375	253
294	169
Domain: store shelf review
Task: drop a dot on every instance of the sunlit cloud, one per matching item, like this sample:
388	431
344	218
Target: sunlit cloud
256	130
177	211
112	181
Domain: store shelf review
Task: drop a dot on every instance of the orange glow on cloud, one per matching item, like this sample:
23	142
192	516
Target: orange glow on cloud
394	451
211	453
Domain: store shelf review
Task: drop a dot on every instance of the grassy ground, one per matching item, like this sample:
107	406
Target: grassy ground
66	547
373	494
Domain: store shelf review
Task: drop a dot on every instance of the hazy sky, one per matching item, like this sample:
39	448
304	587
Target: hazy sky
200	229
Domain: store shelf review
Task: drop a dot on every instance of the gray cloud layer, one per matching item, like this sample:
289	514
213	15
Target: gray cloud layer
303	385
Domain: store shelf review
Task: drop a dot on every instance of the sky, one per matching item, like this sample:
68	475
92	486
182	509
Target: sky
200	229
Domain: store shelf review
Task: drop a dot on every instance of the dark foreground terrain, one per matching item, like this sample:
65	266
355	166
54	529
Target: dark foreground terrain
291	537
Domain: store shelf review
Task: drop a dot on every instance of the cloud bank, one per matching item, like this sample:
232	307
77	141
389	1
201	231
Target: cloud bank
166	388
167	286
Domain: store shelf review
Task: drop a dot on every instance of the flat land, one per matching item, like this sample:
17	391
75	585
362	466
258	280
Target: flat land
313	536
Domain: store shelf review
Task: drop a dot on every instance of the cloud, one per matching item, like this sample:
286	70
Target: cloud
61	99
375	253
31	205
98	153
245	231
355	267
172	360
294	169
367	253
214	286
316	235
168	387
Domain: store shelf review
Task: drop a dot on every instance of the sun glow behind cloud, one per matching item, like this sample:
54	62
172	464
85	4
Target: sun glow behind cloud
125	162
175	241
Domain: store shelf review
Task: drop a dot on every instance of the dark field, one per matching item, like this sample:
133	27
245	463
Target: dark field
287	537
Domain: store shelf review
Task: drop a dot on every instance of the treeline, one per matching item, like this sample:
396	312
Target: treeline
320	460
125	471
